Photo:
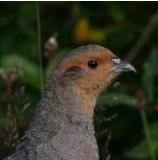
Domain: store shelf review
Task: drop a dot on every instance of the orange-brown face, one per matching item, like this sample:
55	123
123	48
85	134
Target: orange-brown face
97	71
91	71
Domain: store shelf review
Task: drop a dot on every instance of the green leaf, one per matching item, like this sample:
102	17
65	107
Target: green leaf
116	11
149	72
118	98
141	151
117	33
29	69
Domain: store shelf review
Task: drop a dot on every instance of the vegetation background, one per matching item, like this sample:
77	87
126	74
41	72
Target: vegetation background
126	118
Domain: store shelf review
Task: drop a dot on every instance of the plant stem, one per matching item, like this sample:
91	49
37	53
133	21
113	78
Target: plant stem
147	133
39	42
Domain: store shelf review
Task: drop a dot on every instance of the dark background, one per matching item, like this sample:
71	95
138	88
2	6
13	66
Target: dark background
129	29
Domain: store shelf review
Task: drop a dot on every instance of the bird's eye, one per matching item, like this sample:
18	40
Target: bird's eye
92	64
116	60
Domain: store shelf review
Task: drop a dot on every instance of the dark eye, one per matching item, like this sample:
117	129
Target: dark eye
92	64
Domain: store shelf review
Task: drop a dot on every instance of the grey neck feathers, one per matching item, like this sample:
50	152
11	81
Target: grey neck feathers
58	108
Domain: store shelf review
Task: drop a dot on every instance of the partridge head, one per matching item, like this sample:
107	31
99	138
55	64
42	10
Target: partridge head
89	70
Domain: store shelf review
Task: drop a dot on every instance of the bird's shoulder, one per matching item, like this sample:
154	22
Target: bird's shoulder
78	146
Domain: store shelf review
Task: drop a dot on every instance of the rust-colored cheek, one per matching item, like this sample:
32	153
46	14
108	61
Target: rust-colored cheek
88	90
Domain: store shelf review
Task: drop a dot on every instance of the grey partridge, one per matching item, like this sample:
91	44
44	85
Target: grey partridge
62	128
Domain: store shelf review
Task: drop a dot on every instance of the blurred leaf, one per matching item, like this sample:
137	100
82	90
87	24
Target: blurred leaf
81	29
117	98
29	69
76	9
118	37
116	11
84	32
149	72
141	151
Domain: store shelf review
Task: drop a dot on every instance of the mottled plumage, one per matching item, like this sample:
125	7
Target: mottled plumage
62	128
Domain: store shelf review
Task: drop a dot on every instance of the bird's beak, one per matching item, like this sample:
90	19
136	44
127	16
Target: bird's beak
123	66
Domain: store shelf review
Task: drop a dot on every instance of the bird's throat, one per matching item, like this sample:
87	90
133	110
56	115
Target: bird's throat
88	101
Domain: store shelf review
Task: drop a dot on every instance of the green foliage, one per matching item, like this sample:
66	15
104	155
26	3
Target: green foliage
118	98
29	69
150	67
117	26
141	151
116	11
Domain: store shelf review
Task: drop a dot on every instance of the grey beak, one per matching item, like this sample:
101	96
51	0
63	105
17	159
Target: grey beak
122	66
